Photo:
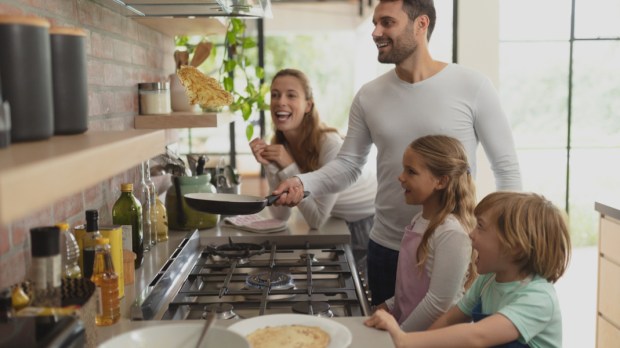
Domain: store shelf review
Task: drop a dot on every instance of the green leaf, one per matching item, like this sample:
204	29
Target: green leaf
229	84
229	65
249	131
231	38
248	42
246	111
260	72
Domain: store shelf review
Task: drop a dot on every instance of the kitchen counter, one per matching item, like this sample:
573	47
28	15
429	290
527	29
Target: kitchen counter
608	207
334	231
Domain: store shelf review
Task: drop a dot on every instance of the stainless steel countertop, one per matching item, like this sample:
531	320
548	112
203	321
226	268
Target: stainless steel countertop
334	231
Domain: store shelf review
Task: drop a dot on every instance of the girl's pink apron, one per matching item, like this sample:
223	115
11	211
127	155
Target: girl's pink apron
412	283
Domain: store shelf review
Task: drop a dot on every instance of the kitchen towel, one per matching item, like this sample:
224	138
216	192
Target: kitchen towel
256	223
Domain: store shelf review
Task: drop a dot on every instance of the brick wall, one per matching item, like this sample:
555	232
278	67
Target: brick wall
120	53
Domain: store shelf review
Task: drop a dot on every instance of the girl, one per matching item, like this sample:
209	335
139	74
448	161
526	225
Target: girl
523	247
434	263
302	144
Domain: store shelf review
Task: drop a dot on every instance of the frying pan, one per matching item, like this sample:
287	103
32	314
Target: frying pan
230	203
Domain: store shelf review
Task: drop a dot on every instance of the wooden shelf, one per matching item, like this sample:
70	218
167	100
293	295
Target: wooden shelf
183	120
173	26
34	175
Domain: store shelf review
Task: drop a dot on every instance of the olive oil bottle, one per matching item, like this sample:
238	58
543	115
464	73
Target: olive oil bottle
127	212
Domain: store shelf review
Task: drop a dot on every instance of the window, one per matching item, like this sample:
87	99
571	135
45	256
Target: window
562	93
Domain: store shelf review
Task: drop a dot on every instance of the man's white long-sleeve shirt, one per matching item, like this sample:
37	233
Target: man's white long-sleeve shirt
391	113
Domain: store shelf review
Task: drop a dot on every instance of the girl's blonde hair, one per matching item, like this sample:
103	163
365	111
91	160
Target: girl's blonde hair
445	157
531	229
311	128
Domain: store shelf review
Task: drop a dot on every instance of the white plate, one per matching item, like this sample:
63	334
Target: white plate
177	335
340	336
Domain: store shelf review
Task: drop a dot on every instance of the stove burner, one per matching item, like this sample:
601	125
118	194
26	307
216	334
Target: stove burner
304	258
237	250
279	281
319	309
221	310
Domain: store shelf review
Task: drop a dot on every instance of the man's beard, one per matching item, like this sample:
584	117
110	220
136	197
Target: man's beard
398	53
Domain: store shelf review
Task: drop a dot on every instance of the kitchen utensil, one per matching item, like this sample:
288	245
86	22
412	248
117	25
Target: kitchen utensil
201	53
181	58
230	203
207	325
200	166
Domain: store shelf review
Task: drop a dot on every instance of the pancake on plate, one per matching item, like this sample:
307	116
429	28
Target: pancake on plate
298	336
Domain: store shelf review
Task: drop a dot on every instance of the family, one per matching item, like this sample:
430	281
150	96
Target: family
442	270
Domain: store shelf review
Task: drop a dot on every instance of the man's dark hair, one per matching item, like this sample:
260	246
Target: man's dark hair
415	8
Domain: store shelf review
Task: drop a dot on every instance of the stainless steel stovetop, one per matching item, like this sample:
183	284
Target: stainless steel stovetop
242	280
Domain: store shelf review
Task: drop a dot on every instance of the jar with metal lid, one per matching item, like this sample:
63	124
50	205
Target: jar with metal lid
154	98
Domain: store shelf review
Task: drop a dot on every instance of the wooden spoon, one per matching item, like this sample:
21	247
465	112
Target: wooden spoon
181	58
201	53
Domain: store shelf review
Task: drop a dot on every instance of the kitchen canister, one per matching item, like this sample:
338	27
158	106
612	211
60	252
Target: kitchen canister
154	98
26	72
69	81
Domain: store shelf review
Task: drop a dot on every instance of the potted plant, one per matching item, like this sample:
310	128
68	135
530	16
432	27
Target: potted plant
240	75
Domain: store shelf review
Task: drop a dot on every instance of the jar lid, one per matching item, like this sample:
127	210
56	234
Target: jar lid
67	31
154	86
45	241
25	20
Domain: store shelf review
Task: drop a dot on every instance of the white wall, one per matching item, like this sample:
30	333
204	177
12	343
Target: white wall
478	48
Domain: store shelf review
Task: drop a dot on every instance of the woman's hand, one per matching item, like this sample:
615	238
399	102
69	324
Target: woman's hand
277	154
258	147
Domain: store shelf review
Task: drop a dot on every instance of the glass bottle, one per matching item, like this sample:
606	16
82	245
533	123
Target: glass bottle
144	195
106	282
162	221
70	252
127	212
89	241
45	272
152	201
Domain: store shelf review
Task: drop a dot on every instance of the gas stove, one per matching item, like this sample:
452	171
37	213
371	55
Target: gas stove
237	280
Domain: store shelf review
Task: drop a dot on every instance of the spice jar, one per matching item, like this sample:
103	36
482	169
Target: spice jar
154	98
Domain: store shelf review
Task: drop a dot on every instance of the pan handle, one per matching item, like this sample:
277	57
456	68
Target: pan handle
273	198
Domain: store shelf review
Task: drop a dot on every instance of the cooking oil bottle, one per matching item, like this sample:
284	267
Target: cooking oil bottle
106	281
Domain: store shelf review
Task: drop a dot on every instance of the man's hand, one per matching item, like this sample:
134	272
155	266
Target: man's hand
291	190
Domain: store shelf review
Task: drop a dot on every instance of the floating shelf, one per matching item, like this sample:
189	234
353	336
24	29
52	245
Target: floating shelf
183	120
184	26
36	174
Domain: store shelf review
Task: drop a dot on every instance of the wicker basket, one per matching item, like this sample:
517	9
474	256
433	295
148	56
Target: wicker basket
79	292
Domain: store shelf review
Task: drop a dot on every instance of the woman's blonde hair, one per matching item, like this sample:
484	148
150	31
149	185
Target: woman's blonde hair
531	229
445	156
311	128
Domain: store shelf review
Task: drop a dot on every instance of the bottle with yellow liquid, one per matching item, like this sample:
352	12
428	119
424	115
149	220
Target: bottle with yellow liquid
106	282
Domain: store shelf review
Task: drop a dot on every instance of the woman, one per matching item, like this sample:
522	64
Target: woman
302	144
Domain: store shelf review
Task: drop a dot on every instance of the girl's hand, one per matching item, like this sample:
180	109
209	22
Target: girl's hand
381	306
382	320
258	147
385	321
277	154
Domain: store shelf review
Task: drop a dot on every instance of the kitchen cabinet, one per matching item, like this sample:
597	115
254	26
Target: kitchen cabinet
183	120
608	306
34	175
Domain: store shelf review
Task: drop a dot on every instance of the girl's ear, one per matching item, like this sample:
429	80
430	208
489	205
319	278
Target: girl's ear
442	183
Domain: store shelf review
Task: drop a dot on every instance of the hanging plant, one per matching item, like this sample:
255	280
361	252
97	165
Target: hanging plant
237	64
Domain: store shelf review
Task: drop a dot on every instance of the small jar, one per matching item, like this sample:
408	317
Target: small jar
154	98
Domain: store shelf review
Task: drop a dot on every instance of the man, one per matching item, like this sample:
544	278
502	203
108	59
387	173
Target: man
420	96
